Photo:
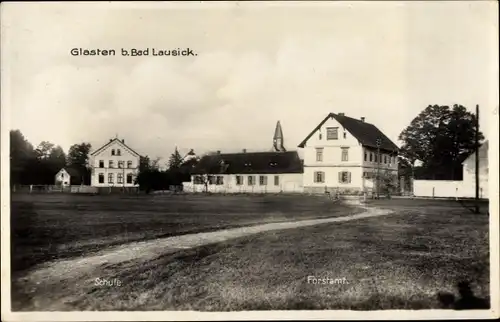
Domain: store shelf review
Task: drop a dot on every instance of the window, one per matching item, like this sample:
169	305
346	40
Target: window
319	154
239	180
220	180
129	164
371	156
198	180
111	164
344	177
120	164
263	180
113	152
385	159
118	152
120	177
332	133
110	178
101	163
129	178
376	157
251	180
366	156
211	179
101	177
276	180
319	177
320	136
345	135
345	154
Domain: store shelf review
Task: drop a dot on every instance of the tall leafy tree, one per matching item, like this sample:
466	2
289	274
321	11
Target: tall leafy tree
44	149
78	155
175	160
57	157
78	158
441	138
22	154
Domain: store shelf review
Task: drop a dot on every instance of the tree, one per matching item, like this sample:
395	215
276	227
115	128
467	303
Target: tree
150	177
175	160
44	149
441	138
22	155
78	155
57	157
388	182
78	158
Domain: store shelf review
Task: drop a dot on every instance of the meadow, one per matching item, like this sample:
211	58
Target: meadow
426	254
47	227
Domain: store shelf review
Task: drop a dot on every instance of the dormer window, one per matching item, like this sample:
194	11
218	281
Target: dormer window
113	152
273	164
248	164
118	152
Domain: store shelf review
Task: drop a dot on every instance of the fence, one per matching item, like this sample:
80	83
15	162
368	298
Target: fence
72	189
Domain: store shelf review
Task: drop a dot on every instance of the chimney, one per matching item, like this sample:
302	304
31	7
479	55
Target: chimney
218	151
110	140
123	141
362	119
341	114
244	150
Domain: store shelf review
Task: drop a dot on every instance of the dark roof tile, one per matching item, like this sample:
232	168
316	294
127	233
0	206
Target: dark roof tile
250	162
365	133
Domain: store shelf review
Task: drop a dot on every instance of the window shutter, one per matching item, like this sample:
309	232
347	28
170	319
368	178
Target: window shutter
349	177
340	177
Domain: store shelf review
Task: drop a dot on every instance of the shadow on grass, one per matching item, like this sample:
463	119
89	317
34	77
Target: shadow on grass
466	301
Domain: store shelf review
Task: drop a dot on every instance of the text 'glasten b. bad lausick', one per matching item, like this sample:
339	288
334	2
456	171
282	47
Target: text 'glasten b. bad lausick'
134	52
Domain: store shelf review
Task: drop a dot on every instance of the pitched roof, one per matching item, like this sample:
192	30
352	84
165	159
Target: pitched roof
366	133
72	172
250	162
483	151
111	142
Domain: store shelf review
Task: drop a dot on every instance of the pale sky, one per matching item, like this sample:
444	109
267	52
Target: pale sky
255	64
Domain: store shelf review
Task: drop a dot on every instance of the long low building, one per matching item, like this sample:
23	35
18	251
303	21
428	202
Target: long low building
248	172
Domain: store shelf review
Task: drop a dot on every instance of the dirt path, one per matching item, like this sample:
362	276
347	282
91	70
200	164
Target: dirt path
73	271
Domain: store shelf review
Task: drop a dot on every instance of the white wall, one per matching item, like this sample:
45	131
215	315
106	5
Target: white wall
448	189
331	163
469	169
63	178
106	155
459	189
332	148
332	177
288	182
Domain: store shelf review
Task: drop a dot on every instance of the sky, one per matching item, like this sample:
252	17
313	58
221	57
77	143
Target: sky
255	64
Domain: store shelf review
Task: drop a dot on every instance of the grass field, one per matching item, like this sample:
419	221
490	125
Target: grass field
414	259
46	227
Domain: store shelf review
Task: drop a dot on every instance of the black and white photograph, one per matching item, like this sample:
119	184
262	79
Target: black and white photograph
249	160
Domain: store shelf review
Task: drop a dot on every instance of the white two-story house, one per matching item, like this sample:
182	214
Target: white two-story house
345	154
114	165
